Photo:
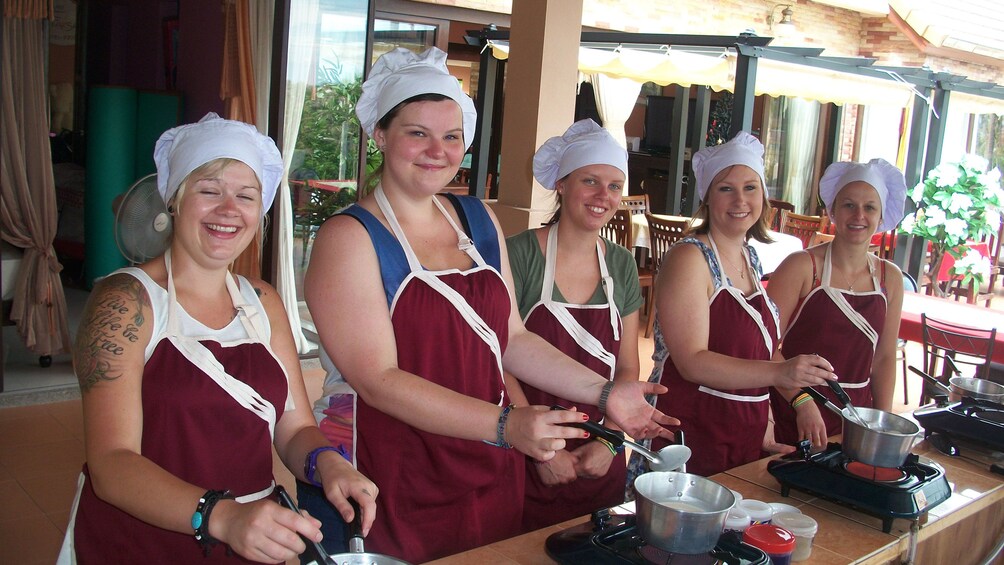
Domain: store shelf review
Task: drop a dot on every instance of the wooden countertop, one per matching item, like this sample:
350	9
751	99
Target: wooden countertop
974	515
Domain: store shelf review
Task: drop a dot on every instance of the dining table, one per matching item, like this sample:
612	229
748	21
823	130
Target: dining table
948	310
771	254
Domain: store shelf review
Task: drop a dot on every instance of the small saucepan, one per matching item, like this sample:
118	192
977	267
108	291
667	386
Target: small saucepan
966	387
681	512
879	438
670	458
357	554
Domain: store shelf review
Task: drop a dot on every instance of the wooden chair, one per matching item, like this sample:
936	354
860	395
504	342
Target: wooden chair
963	345
636	204
801	226
777	209
662	234
820	237
618	229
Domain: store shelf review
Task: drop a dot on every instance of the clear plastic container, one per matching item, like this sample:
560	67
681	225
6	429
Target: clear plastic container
738	495
778	507
804	529
760	512
777	542
737	520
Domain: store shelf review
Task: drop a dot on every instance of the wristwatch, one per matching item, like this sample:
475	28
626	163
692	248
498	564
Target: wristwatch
310	465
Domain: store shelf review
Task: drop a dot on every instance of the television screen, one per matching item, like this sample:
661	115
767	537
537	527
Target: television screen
658	116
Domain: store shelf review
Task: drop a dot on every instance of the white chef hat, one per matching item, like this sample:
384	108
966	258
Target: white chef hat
181	150
583	143
883	176
743	149
401	74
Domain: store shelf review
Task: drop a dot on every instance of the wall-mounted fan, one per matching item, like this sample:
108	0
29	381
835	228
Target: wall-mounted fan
142	223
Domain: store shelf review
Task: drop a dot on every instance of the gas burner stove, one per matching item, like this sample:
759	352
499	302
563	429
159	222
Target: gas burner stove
614	540
979	421
904	492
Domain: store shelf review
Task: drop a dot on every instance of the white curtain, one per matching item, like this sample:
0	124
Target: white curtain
260	19
801	124
303	22
615	100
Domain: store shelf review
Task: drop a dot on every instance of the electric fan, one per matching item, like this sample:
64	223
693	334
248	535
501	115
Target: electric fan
142	223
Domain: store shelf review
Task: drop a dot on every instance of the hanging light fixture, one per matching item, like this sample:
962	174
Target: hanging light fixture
783	25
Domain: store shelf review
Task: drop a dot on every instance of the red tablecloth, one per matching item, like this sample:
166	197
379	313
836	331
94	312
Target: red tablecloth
949	311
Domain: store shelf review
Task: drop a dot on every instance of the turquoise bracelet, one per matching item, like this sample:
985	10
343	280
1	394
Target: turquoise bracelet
500	430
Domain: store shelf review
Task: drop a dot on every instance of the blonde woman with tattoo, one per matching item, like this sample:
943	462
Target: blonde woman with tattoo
189	377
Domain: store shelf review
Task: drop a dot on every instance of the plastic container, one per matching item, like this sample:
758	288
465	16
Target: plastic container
804	529
738	495
779	507
777	542
737	520
760	512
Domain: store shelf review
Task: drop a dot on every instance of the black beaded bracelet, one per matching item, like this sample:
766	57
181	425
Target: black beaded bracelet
604	396
200	519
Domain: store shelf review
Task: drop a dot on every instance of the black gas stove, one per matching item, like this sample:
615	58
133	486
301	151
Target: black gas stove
903	492
979	421
614	539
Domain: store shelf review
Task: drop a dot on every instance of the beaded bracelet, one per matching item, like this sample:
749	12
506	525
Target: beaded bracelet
200	519
800	400
500	430
604	396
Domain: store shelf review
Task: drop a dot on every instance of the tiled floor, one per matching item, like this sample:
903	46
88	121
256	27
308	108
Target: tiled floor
41	448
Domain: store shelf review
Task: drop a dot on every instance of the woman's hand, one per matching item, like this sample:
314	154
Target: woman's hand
342	482
559	470
804	370
627	407
593	460
537	431
810	424
262	530
770	444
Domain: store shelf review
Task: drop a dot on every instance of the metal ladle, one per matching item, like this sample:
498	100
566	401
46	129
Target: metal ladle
670	458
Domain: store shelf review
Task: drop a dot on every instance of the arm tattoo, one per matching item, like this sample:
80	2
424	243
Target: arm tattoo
112	319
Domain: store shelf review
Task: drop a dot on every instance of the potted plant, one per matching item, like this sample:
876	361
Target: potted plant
958	202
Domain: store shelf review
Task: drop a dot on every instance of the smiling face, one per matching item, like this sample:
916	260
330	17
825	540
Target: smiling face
218	211
735	200
856	212
590	195
423	146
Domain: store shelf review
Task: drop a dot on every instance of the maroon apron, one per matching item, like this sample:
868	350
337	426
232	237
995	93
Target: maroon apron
209	411
441	495
590	334
724	428
842	326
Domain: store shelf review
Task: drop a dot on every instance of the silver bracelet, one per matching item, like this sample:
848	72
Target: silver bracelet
604	395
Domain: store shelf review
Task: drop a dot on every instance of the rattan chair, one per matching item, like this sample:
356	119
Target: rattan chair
662	234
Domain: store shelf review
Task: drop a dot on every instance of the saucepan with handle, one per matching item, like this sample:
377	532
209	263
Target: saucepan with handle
670	458
357	554
966	387
877	437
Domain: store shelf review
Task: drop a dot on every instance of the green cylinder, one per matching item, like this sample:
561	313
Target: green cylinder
156	112
111	170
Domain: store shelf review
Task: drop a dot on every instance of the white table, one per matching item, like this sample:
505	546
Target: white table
771	254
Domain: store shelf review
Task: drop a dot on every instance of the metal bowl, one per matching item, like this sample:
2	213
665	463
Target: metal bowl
980	389
681	512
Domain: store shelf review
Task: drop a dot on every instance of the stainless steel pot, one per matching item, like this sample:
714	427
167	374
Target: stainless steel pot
681	512
880	438
980	389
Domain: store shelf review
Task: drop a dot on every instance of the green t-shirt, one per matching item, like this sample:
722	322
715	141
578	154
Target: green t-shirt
526	260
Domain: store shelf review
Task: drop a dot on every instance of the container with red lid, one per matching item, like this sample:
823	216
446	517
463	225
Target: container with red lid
777	542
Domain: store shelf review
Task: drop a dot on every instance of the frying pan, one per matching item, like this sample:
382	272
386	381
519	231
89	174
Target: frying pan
357	554
670	458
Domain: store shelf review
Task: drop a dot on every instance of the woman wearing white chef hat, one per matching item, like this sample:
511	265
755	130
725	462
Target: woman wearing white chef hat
842	302
189	378
580	292
716	329
409	290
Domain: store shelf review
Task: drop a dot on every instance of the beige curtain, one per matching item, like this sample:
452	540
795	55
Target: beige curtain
238	94
28	208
